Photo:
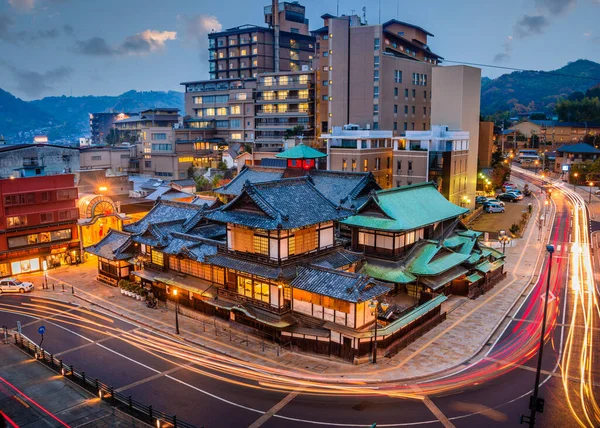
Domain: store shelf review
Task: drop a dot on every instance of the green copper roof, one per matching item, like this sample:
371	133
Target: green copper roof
390	274
427	259
484	266
474	277
405	208
301	152
488	251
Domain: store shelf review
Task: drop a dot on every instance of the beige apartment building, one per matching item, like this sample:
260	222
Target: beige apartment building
117	158
249	50
359	150
284	102
375	76
486	144
438	155
456	104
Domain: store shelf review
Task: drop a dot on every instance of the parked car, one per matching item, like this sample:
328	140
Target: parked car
515	192
493	201
13	285
480	199
597	192
493	208
509	188
509	197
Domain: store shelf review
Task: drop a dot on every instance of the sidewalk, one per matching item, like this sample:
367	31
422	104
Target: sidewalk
468	327
594	207
33	396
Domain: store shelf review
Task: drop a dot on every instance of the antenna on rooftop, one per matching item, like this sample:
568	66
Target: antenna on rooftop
364	9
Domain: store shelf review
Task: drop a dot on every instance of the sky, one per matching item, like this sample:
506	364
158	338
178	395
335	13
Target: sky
107	47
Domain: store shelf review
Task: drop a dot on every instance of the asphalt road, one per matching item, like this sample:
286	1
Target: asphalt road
204	395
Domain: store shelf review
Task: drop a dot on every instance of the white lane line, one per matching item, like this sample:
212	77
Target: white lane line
151	378
277	407
433	408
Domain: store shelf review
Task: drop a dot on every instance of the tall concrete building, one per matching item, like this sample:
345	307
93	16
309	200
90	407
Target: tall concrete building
374	76
456	103
101	124
248	50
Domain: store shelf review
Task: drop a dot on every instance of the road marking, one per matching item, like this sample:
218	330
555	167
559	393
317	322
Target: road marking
433	408
277	407
85	345
153	377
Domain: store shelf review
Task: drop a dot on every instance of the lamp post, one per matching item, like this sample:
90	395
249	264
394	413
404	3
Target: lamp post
536	404
374	307
575	175
176	310
504	239
591	185
546	204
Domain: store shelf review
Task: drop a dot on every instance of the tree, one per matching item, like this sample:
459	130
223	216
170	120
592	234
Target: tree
191	171
576	96
222	166
593	92
497	157
248	148
202	184
586	110
293	132
216	180
112	139
538	116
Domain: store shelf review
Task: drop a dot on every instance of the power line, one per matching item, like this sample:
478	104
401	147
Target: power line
522	69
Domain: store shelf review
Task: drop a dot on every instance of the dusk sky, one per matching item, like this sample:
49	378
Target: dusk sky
106	47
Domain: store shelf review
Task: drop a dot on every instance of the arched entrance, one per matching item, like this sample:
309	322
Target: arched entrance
97	215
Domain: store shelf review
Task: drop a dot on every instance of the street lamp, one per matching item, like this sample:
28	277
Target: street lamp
374	306
504	239
575	175
591	185
176	310
536	404
546	204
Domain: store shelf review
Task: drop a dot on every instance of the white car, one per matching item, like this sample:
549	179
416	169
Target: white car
13	285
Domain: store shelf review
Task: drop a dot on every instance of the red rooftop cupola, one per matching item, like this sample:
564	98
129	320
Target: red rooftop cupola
301	157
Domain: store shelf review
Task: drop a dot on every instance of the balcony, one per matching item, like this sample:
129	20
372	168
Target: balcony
236	297
276	99
288	112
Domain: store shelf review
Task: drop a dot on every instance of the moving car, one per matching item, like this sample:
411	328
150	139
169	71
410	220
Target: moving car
13	285
509	197
493	208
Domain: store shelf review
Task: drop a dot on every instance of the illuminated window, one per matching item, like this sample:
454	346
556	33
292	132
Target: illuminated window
261	245
268	108
186	159
209	112
255	51
366	165
303	94
282	95
282	108
304	79
240	96
197	100
353	165
236	136
283	80
268	81
236	109
16	221
243	52
303	108
157	258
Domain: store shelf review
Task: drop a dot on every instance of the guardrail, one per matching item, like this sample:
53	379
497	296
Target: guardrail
123	402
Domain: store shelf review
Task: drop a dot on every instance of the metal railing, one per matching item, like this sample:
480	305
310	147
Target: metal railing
232	295
105	392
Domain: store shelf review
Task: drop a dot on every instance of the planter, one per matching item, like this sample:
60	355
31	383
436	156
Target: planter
137	296
122	291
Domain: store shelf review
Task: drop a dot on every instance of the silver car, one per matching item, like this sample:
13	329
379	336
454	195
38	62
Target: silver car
13	285
494	208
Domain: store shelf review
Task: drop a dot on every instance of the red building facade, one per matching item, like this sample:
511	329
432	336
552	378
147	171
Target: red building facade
38	223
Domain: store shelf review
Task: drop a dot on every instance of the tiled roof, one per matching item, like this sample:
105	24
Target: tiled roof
282	204
164	210
428	258
338	258
258	269
406	208
350	187
350	287
437	282
390	274
579	148
112	247
252	175
301	151
190	247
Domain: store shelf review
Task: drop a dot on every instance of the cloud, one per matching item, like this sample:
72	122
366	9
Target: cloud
504	56
531	25
197	27
139	44
24	5
555	7
33	83
27	37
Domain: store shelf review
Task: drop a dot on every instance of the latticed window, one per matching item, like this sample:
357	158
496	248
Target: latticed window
261	245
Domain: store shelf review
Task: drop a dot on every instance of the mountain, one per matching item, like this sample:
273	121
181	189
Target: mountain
68	117
523	91
16	115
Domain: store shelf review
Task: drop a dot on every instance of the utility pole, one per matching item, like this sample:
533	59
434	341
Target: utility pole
536	404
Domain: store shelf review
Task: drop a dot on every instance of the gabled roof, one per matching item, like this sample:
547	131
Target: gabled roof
282	204
301	151
346	286
428	258
405	208
347	188
579	148
164	210
113	246
191	247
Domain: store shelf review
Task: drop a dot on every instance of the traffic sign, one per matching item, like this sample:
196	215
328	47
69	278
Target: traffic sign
42	329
